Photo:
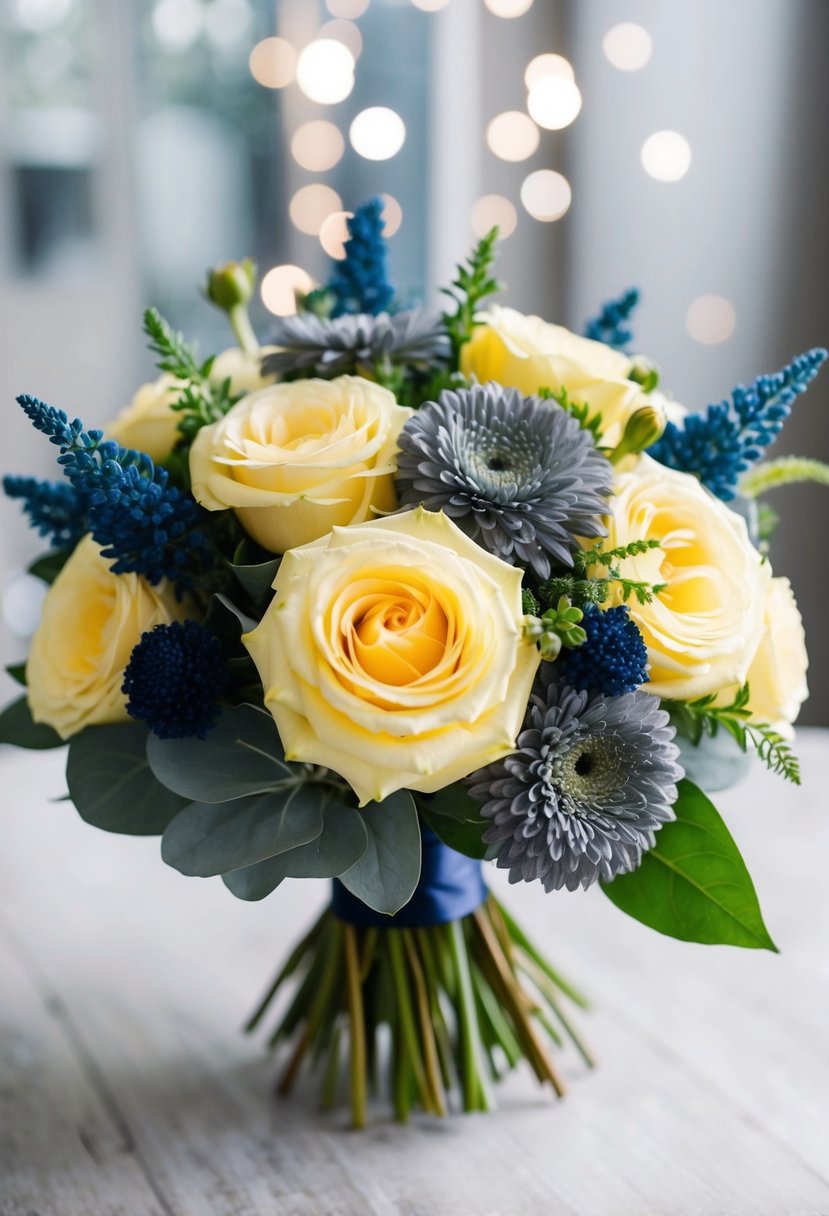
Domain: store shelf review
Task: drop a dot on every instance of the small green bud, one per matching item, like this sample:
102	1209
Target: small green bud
644	372
549	645
643	428
233	284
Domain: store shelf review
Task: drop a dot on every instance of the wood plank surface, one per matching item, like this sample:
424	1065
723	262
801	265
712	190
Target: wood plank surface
126	1087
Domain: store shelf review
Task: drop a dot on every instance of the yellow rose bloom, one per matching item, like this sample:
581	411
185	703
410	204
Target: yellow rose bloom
529	354
295	460
91	621
703	630
392	653
777	675
150	424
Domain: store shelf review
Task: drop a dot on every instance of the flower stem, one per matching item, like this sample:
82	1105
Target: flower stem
242	328
476	1091
357	1026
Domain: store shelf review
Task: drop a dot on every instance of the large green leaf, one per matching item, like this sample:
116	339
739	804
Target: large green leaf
257	579
343	842
465	836
18	728
227	621
386	875
452	802
111	784
241	756
694	884
211	838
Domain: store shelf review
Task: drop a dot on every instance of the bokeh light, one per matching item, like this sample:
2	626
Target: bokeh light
272	63
509	8
512	135
317	145
345	32
554	102
546	195
178	23
227	22
349	10
311	206
39	15
547	65
279	288
666	155
325	71
377	133
490	210
627	46
711	320
430	6
334	233
392	214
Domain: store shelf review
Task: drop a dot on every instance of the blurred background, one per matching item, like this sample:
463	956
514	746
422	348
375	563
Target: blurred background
675	145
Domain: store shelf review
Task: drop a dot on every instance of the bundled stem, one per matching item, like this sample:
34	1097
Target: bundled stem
464	1002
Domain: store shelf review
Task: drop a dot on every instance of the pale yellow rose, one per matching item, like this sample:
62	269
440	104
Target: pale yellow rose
91	621
295	460
150	424
393	653
529	354
777	675
703	630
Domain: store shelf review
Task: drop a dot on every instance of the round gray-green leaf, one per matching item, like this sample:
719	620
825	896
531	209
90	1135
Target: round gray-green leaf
343	842
112	785
386	875
241	756
693	884
209	838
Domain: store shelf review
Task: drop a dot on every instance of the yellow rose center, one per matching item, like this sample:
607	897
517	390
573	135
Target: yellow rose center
394	633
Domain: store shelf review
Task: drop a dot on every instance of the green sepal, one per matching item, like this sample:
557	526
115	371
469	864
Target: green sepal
241	756
693	884
206	839
18	728
386	875
112	785
342	842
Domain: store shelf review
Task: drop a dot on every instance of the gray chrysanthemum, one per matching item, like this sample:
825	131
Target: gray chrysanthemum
338	346
518	474
592	780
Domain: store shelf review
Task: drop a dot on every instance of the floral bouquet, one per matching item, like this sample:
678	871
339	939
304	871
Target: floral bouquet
400	592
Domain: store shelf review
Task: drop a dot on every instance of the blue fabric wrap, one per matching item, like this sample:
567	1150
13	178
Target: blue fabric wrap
450	887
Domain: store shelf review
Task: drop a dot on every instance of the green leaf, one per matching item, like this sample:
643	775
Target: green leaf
241	756
386	875
453	801
17	671
257	580
464	836
111	784
210	838
19	728
694	884
343	841
227	622
48	567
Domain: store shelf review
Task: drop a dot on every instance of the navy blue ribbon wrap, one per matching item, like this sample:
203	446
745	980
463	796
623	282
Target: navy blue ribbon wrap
451	886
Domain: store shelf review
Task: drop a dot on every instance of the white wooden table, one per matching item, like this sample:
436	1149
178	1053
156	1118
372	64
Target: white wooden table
125	1087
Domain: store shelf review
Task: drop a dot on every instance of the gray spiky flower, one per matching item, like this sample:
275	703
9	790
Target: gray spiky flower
517	474
342	345
593	779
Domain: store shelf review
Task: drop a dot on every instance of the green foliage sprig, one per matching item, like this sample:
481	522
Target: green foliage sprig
583	586
576	409
785	471
703	717
473	282
202	401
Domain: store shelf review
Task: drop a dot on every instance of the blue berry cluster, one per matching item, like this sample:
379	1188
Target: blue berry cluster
611	324
174	679
613	660
360	282
719	445
55	510
144	524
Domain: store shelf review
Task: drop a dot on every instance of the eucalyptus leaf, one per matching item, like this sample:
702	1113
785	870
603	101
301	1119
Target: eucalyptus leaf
343	842
694	885
386	875
210	838
257	580
112	785
228	622
453	802
19	728
465	836
241	756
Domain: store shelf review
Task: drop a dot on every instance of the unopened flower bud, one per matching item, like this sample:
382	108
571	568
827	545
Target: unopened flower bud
643	428
233	284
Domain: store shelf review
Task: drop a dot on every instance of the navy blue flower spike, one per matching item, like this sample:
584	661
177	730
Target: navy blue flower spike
144	524
55	510
174	679
613	660
611	324
719	445
360	282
